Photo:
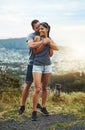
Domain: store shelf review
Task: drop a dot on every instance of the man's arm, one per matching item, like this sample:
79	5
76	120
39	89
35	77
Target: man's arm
34	44
37	45
40	47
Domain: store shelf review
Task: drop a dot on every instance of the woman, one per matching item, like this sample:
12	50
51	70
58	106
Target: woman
42	66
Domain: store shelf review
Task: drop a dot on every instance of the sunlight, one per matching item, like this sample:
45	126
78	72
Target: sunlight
79	51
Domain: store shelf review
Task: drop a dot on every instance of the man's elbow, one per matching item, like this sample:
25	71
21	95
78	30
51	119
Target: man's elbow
31	45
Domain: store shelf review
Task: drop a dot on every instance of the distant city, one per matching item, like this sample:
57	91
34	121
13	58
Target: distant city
63	60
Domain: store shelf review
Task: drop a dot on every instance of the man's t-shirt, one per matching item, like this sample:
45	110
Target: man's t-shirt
31	54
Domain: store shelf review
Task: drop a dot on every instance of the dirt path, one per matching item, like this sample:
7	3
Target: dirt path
43	123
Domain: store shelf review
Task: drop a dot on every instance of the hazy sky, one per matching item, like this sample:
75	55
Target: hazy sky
66	17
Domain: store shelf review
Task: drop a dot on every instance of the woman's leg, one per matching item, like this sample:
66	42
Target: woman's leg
45	81
37	85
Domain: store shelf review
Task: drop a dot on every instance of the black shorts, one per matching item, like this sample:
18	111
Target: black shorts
29	77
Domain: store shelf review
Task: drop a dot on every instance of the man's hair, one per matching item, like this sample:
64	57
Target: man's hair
34	22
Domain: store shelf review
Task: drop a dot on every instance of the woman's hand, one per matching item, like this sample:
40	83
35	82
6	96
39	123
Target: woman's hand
37	39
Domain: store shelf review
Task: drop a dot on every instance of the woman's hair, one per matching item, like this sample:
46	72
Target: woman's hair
46	25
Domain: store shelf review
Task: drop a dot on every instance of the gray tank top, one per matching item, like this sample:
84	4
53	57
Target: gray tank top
43	57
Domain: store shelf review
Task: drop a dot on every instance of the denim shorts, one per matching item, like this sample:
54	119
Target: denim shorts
42	69
29	77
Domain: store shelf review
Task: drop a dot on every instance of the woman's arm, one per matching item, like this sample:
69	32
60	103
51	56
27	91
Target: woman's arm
51	52
38	49
51	43
34	43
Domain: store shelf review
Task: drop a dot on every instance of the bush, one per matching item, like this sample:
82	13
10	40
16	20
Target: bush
7	80
69	82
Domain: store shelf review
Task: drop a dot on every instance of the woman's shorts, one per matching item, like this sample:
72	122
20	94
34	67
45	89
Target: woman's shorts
42	69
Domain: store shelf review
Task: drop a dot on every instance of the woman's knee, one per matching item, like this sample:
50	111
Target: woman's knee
44	89
37	90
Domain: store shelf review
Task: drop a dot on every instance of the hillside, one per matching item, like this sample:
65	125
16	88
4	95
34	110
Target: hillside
20	43
13	43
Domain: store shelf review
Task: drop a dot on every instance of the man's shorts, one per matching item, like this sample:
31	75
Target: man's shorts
42	69
29	77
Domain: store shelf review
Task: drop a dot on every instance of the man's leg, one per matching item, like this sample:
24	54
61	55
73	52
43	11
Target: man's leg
28	82
25	93
24	97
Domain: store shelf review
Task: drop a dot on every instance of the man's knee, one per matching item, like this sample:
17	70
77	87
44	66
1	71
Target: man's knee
26	86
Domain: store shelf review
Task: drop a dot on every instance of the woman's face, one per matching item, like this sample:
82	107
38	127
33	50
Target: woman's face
43	31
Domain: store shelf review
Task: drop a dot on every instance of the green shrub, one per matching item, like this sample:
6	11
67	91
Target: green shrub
7	80
69	82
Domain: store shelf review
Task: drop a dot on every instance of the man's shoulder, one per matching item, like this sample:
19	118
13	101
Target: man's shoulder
32	34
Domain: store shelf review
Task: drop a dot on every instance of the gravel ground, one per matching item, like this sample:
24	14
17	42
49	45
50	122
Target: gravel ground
43	123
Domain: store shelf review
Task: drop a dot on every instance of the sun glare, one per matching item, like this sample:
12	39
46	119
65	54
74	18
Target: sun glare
79	51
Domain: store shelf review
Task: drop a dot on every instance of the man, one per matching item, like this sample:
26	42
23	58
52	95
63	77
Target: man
29	79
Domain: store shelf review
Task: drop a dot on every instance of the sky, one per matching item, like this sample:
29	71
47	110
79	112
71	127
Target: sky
66	18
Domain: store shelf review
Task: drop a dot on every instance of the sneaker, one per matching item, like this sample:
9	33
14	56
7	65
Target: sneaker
21	110
34	116
39	106
44	111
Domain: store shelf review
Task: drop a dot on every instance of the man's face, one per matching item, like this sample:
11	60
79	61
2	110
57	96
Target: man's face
36	27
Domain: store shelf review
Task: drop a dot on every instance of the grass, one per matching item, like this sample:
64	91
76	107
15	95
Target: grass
67	103
64	126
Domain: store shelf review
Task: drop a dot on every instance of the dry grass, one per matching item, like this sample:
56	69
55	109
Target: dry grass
67	103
